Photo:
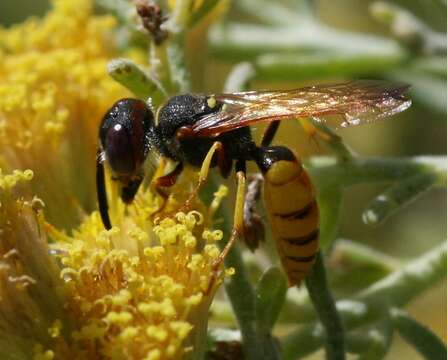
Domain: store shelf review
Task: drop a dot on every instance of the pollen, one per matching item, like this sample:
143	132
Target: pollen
34	100
137	291
8	181
141	290
54	91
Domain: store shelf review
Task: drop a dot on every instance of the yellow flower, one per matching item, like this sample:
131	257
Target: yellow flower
124	293
53	92
68	288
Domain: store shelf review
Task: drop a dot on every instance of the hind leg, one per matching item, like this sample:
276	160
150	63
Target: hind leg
216	148
236	231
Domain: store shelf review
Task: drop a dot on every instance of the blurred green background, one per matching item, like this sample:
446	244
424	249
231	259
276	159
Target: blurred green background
422	130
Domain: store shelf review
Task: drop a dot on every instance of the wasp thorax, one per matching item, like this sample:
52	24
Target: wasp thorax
124	136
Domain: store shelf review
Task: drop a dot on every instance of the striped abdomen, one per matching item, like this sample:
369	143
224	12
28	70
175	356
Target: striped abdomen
293	212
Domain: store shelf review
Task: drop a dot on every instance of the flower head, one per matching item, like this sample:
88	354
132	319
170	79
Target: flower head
69	288
122	293
53	93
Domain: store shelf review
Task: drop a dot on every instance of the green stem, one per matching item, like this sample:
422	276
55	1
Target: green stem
321	65
403	285
329	171
396	290
329	204
319	292
179	75
158	58
239	42
242	296
351	252
243	305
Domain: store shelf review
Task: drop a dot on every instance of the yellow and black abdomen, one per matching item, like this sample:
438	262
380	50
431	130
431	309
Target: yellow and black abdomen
293	213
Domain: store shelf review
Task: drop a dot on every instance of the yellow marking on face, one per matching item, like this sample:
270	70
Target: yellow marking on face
211	101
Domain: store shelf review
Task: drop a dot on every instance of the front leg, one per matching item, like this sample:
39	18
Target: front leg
238	223
162	182
254	231
217	147
203	176
170	179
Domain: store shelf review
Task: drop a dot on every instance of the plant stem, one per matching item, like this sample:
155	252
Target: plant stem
361	254
237	42
329	171
321	65
319	292
179	75
403	285
397	290
239	289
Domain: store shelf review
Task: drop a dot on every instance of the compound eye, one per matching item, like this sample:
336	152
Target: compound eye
120	150
123	135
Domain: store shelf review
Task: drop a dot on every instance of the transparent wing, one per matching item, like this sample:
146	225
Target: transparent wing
340	105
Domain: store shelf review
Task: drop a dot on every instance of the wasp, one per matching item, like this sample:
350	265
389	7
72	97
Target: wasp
206	131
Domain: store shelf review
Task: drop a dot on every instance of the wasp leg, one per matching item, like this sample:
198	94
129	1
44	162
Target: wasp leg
203	175
101	191
333	139
270	133
159	171
254	231
314	131
165	181
224	163
170	179
238	222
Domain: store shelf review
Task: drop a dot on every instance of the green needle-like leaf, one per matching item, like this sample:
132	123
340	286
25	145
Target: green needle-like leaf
133	77
270	296
396	197
422	338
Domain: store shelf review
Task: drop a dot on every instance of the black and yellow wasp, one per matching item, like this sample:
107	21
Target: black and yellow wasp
206	131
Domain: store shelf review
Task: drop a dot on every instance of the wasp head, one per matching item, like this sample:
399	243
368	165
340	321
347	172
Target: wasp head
126	137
